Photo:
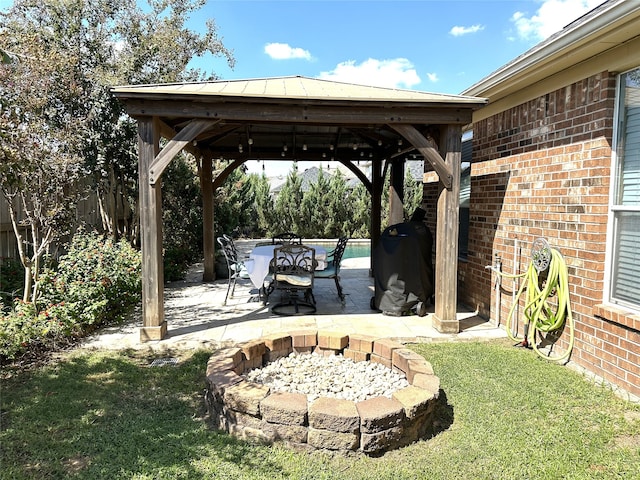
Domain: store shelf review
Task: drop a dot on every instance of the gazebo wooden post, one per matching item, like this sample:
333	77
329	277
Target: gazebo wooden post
396	192
208	233
446	289
154	325
377	184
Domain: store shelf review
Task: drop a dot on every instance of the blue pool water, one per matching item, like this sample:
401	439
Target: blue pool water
353	250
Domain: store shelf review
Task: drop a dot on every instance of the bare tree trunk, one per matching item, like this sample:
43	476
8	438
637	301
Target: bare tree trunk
26	263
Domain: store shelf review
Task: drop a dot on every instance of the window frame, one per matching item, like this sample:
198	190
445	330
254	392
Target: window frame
614	206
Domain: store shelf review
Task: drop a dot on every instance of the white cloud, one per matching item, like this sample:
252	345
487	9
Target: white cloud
283	51
458	31
433	77
393	73
551	17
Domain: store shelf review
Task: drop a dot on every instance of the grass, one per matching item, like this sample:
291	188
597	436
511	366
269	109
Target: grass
503	414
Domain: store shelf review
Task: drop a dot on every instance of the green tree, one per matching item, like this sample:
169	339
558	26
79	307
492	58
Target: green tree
40	157
182	217
359	225
234	201
287	205
59	120
338	221
263	204
413	193
315	208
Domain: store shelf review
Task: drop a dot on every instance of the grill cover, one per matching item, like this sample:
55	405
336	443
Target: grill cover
403	270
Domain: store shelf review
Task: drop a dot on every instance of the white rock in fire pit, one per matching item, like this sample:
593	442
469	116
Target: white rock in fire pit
336	376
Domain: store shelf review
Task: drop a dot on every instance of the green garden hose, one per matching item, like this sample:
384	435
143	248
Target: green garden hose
540	315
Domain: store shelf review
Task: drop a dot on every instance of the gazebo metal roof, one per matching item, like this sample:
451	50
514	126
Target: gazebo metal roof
294	87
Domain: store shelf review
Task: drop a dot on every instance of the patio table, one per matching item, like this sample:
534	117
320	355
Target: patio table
258	263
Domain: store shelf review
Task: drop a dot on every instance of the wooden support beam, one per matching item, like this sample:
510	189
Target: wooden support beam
168	132
446	272
377	180
154	325
175	145
208	233
306	114
222	176
358	173
428	151
396	192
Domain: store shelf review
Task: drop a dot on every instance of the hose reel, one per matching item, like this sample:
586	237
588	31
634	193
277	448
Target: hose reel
541	254
547	308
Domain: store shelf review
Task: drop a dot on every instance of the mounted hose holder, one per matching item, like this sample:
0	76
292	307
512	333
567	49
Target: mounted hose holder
541	254
547	309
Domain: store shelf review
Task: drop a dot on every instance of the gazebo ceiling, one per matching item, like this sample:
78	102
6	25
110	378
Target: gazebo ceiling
296	118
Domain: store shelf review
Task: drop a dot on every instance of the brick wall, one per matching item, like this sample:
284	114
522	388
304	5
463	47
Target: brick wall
542	169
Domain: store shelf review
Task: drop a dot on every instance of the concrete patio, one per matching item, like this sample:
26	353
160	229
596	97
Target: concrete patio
196	315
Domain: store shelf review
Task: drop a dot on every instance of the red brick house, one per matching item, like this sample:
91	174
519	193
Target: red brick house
556	154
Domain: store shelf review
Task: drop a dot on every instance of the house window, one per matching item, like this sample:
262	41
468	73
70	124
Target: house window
465	195
625	203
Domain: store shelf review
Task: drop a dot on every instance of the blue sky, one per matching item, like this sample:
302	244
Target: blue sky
429	45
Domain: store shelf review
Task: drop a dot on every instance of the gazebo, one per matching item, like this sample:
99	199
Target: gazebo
297	118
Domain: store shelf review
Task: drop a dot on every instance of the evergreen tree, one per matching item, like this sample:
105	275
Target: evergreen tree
182	207
288	216
338	221
315	208
359	204
263	204
413	193
233	201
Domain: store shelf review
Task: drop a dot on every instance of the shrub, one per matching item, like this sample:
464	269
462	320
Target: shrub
176	263
97	282
11	279
98	279
181	218
22	328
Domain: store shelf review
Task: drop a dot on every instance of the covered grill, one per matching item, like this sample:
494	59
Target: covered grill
403	270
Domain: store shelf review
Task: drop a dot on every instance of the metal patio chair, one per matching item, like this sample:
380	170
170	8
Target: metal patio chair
293	268
332	271
287	238
235	267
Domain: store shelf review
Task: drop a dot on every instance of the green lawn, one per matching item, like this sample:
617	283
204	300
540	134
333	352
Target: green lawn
504	414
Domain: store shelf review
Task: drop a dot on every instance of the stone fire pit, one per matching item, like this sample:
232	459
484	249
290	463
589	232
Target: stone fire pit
250	411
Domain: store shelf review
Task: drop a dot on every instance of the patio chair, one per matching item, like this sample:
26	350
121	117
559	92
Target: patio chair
293	269
230	241
334	259
287	238
235	267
